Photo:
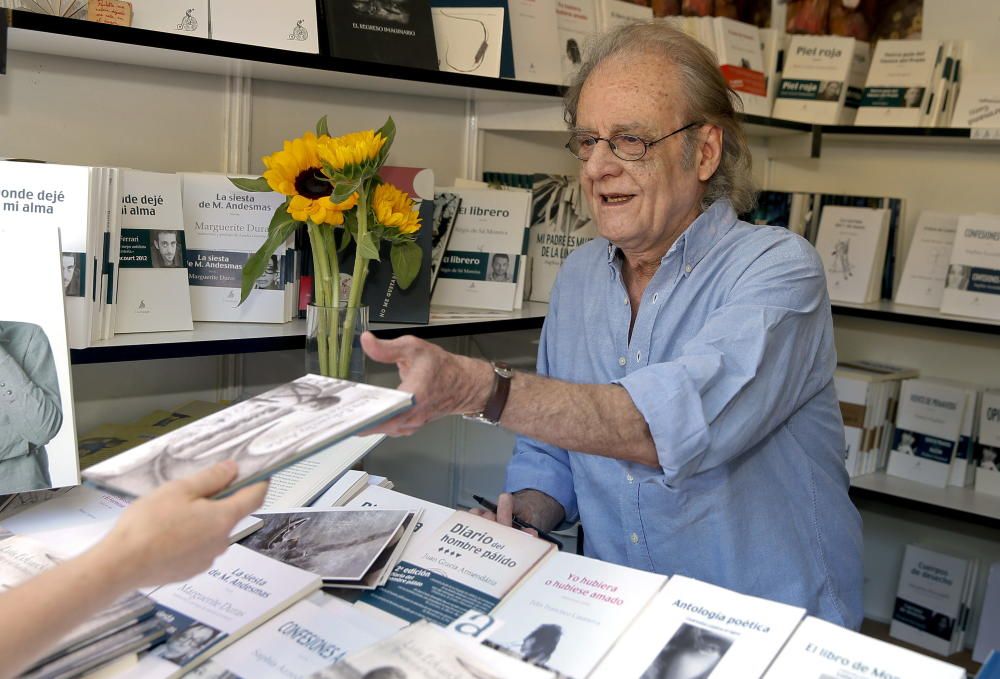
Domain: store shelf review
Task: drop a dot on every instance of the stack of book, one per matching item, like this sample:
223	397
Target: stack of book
868	393
933	600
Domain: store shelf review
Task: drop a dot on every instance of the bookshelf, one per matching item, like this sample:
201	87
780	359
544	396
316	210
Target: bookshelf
885	310
962	504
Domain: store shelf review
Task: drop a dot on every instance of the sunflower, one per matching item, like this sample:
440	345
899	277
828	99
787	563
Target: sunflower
395	208
355	148
296	171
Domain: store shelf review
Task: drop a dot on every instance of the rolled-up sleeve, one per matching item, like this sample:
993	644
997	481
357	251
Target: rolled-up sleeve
538	465
752	364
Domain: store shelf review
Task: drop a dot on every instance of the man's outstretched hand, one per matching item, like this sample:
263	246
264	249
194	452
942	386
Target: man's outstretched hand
442	383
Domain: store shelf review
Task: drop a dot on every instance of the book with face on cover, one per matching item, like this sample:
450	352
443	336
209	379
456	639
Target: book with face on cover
153	276
425	651
287	25
972	286
694	629
816	76
987	457
263	435
223	226
468	562
822	649
900	83
298	642
210	611
571	611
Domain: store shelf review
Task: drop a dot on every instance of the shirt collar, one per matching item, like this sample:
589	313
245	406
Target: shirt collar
700	236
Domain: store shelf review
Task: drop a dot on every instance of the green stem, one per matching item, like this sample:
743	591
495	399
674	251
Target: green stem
320	274
333	297
357	283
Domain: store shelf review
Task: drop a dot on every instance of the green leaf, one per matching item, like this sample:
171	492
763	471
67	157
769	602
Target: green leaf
278	232
342	192
406	258
368	247
322	127
389	132
258	185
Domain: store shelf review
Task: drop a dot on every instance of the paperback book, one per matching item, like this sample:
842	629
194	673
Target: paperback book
396	33
704	630
817	73
852	244
502	40
978	102
928	427
432	515
469	40
286	25
741	60
467	563
36	419
576	22
900	82
987	458
560	223
153	276
223	226
972	287
614	13
210	611
571	610
536	54
182	17
822	649
263	434
926	269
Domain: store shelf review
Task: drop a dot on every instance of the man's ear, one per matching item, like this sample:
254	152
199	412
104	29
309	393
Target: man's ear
709	151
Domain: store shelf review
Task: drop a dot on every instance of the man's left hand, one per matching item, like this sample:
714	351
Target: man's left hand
442	383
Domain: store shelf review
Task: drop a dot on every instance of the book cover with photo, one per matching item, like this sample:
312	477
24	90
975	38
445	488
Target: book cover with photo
153	276
182	17
263	434
899	85
336	544
972	286
928	428
297	643
560	223
387	302
396	32
466	563
822	649
223	226
816	76
425	651
37	427
571	610
469	40
987	456
63	197
694	629
210	611
286	25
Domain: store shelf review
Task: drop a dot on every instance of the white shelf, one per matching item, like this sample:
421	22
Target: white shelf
886	310
961	503
212	339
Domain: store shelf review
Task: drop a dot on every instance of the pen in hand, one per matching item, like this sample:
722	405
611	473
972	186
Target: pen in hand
486	504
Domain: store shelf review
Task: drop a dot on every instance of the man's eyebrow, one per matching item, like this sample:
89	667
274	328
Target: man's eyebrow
635	128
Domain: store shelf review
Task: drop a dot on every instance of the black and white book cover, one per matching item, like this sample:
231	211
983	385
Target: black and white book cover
560	223
37	430
988	444
446	208
263	434
396	32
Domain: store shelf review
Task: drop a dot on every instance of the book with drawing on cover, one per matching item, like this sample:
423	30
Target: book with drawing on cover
926	268
263	434
852	242
286	25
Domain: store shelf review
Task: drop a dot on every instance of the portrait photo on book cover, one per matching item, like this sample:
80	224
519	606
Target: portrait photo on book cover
73	273
499	269
958	277
37	433
189	640
166	249
271	278
691	653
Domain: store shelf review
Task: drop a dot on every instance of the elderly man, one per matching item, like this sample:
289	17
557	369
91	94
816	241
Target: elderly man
684	408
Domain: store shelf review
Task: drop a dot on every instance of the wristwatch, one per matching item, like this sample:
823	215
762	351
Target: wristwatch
502	374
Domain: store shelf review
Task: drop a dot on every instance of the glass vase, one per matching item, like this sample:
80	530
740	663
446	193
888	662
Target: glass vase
333	341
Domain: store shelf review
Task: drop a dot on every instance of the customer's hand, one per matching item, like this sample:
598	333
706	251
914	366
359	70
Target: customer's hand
529	505
176	532
442	383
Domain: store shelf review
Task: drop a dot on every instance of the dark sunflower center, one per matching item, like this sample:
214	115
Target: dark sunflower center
312	185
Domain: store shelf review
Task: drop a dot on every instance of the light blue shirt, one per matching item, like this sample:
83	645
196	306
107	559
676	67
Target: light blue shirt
731	364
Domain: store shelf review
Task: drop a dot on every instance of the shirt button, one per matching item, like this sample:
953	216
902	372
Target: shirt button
634	538
638	356
622	361
10	393
630	478
687	269
626	300
655	295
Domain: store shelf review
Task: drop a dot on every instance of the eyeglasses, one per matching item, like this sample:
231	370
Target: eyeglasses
624	146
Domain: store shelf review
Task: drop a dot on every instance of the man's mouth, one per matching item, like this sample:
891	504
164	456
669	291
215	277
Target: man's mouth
616	198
